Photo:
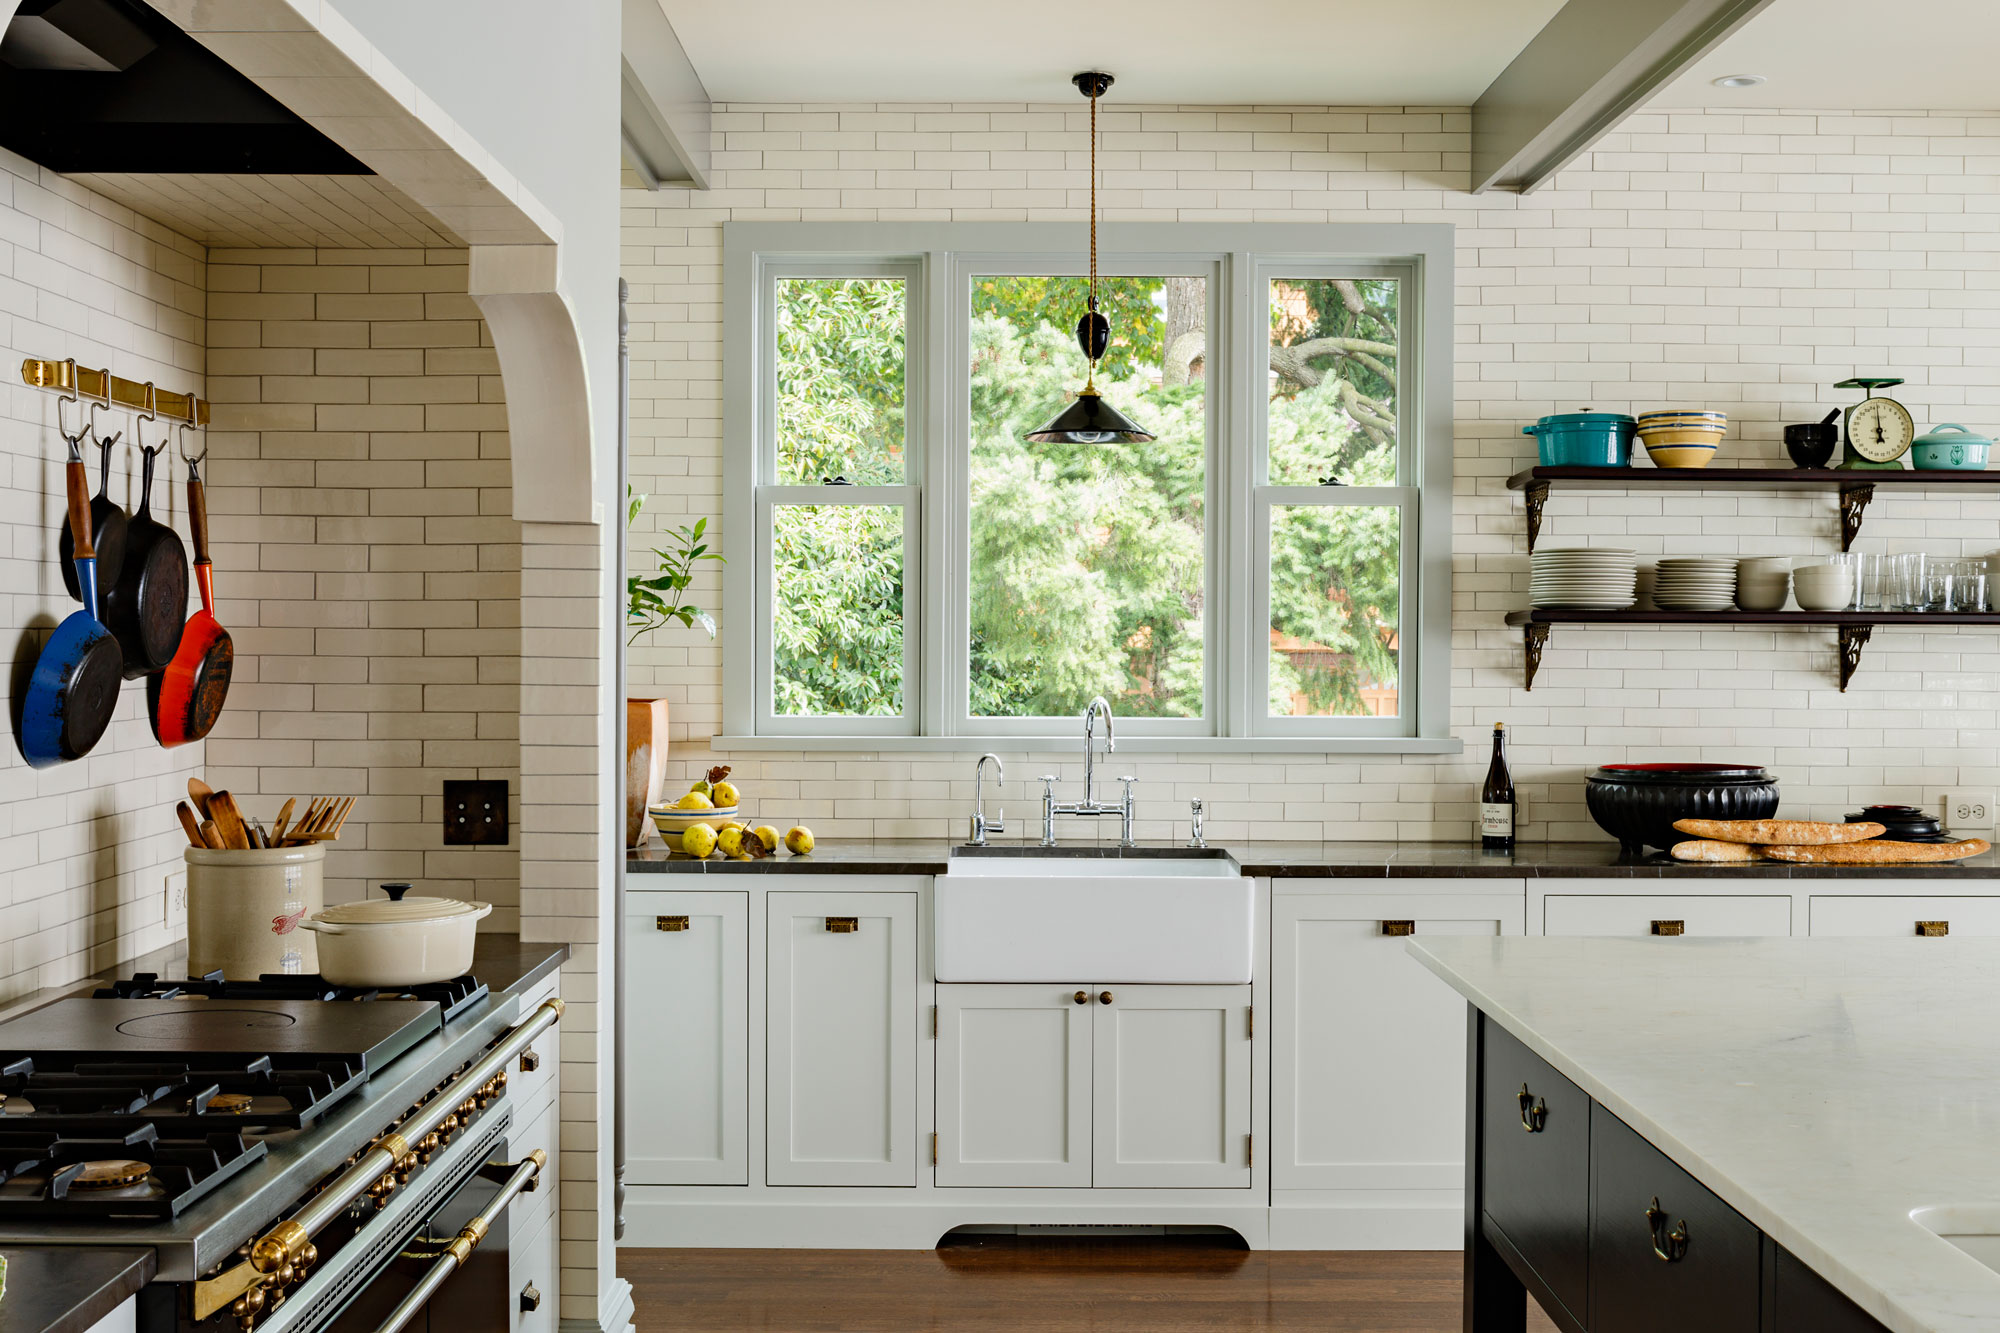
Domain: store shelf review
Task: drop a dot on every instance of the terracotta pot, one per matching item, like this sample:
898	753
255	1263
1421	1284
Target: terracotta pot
645	764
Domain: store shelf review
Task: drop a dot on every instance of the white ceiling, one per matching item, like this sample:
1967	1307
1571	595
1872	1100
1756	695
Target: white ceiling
1294	52
1854	55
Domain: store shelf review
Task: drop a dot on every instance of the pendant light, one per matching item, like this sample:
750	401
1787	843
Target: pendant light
1089	419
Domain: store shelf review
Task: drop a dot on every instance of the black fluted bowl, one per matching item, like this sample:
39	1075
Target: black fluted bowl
1638	803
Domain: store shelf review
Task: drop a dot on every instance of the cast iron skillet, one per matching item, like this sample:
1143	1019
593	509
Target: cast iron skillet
74	686
147	607
186	698
107	525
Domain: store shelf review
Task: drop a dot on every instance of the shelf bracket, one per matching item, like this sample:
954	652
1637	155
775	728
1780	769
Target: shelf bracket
1537	493
1853	500
1533	637
1853	638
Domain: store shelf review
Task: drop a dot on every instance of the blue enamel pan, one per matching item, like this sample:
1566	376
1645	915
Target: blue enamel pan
75	683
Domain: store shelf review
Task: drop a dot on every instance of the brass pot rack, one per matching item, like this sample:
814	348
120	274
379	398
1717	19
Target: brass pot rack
109	389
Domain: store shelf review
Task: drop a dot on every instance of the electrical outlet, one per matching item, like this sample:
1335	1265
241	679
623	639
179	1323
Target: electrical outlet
1968	810
475	813
177	900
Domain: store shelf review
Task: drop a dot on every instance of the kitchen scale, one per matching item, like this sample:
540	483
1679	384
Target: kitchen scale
1879	431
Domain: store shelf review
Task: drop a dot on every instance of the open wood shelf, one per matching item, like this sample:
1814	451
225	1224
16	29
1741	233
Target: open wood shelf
1855	627
1855	488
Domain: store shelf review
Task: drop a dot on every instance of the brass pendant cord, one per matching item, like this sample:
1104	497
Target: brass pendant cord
1090	378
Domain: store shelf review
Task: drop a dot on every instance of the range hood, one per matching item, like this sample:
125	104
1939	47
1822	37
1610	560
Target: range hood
114	86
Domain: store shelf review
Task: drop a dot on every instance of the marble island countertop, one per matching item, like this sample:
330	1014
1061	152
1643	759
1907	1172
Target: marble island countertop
1827	1089
1308	860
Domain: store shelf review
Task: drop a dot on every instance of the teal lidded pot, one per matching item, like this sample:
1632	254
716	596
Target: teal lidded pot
1950	448
1584	439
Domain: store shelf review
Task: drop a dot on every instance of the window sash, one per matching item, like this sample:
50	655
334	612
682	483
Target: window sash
769	720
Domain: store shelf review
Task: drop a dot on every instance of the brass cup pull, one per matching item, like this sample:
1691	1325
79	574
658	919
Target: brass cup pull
843	925
1399	927
670	923
1670	928
1534	1111
1670	1245
1933	928
1104	997
1081	997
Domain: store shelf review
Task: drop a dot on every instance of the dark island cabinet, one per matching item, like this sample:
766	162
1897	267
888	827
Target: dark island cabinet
1567	1203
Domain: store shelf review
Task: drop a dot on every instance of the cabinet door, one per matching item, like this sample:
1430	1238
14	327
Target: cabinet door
685	990
1930	915
1712	1254
1805	1302
842	1059
1013	1085
1171	1096
1666	914
1368	1049
1534	1162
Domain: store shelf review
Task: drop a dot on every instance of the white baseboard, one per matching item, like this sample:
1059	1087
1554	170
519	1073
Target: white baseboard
615	1312
1368	1220
913	1226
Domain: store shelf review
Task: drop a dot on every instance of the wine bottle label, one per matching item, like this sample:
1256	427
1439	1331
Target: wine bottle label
1496	821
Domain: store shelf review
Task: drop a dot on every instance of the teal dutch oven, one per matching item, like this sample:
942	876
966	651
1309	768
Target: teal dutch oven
1950	448
1584	439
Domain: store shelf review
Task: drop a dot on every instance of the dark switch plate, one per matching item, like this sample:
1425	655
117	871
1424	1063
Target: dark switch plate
475	812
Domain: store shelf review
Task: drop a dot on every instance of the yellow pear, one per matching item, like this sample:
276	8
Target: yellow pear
730	840
694	800
698	840
768	836
799	840
724	795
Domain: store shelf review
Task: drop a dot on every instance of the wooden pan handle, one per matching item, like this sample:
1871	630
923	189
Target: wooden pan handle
79	509
198	516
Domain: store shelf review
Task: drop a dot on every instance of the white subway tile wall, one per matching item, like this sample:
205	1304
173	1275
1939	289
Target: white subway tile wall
1743	262
87	849
368	564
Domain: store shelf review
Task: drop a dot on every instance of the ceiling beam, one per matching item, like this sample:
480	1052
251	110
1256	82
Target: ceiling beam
1595	62
663	107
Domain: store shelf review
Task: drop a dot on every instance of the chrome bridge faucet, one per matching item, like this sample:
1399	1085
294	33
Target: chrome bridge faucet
1089	805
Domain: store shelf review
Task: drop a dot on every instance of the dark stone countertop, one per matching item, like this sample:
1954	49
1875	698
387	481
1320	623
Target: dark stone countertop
1311	860
55	1289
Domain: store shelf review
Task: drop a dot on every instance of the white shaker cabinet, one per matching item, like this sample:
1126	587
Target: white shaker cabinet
1667	914
687	1038
841	1023
1368	1050
1911	915
1171	1096
1013	1085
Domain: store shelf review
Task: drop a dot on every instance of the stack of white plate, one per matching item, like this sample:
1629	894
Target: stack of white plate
1589	578
1695	583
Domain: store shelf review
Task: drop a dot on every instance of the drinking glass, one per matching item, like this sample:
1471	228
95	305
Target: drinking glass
1940	576
1871	583
1909	581
1968	590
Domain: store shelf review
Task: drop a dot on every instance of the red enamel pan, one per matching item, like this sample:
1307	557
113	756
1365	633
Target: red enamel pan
186	697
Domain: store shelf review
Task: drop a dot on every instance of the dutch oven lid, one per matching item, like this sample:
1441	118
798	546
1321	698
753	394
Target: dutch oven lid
1586	417
1687	774
398	907
1951	433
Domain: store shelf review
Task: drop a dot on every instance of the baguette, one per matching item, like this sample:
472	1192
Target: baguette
1708	849
1880	852
1789	832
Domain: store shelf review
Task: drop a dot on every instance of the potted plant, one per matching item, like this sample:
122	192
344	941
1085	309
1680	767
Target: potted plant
651	601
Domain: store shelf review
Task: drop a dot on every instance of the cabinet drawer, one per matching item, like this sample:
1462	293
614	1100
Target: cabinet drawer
1929	915
1804	1302
1535	1183
1709	1284
1675	914
532	1272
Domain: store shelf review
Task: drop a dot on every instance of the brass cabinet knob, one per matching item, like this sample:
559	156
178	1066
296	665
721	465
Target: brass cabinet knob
1104	997
1082	997
531	1298
530	1062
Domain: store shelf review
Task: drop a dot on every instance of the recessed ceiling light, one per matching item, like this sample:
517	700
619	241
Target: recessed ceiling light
1738	81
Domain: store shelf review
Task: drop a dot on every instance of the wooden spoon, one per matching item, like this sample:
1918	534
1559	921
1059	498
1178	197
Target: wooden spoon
200	793
284	818
190	823
229	821
210	837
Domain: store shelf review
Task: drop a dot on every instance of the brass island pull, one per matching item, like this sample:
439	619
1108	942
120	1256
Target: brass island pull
1534	1111
843	925
1399	927
1933	928
1670	1245
1670	928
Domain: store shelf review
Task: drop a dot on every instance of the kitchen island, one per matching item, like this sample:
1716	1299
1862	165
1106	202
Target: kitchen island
1731	1134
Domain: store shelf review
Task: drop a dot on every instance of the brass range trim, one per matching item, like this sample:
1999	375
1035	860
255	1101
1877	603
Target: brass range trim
67	376
278	1259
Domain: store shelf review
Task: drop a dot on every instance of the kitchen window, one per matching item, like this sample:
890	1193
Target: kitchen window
1271	572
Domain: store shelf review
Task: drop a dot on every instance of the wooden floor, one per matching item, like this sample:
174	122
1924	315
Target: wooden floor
1008	1285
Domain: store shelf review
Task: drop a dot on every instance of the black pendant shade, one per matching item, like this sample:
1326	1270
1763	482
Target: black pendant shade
1089	420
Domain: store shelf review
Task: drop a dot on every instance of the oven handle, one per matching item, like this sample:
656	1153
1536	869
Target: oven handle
461	1247
285	1251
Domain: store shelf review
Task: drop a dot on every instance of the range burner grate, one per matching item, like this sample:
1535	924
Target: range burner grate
94	1096
48	1174
453	997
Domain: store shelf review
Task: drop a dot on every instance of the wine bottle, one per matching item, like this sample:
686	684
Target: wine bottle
1496	798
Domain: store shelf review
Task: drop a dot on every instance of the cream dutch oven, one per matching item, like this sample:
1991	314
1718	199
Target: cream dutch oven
398	941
